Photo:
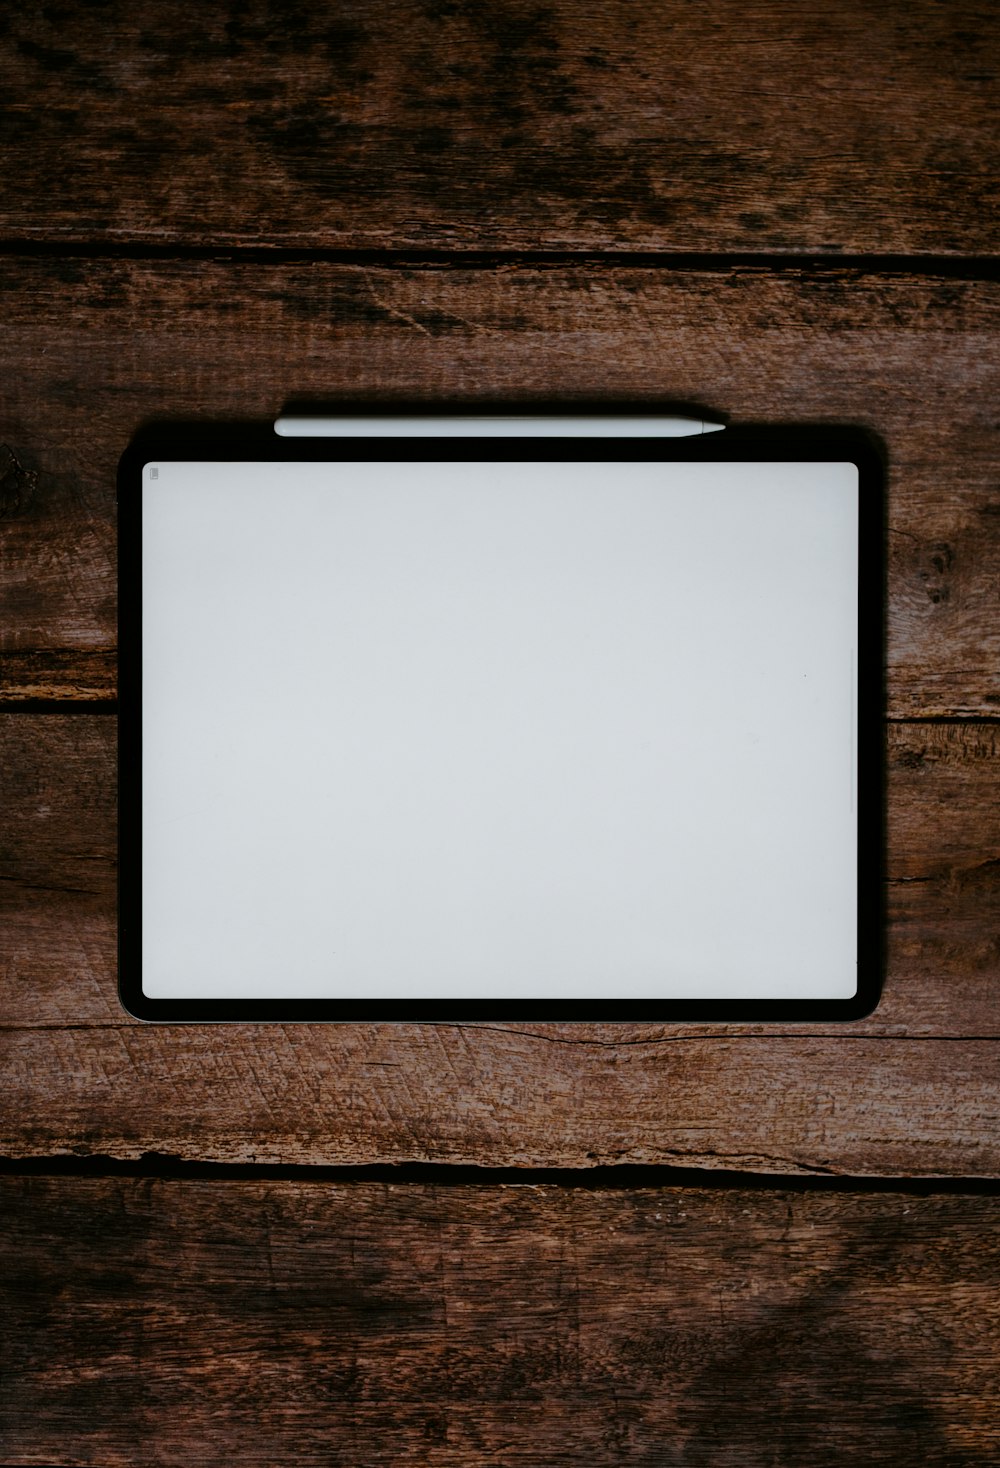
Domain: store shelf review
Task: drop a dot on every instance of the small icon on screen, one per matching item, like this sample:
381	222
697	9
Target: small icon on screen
154	472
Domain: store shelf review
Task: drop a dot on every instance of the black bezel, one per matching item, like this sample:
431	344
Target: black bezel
251	442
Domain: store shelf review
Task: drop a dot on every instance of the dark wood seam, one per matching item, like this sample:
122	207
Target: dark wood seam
623	1178
963	267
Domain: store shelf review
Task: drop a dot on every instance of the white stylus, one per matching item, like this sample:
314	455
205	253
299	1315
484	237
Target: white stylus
494	426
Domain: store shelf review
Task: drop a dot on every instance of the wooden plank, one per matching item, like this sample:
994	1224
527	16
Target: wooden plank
58	573
93	348
943	959
753	127
839	1105
188	1322
66	675
914	1089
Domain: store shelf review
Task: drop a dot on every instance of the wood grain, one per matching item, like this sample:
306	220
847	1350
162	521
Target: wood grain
92	348
155	1320
194	1322
447	124
65	675
865	1106
912	1090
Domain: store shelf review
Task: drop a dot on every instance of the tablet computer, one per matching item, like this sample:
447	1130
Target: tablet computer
511	720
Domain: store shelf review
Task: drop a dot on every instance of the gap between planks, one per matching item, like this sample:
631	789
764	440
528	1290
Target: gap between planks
627	1177
958	266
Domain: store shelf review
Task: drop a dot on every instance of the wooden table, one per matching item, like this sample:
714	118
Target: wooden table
511	1244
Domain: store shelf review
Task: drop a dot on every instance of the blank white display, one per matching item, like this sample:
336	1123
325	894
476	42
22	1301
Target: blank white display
499	730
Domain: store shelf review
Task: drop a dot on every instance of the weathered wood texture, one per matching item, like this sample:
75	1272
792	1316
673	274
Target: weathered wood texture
196	1322
915	1089
353	1095
66	675
741	125
202	1321
92	348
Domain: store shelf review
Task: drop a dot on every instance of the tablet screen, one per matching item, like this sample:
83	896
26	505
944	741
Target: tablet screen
520	730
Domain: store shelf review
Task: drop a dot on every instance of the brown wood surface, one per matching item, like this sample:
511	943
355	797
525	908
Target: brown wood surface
915	1089
857	1106
740	125
208	211
208	1321
92	348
